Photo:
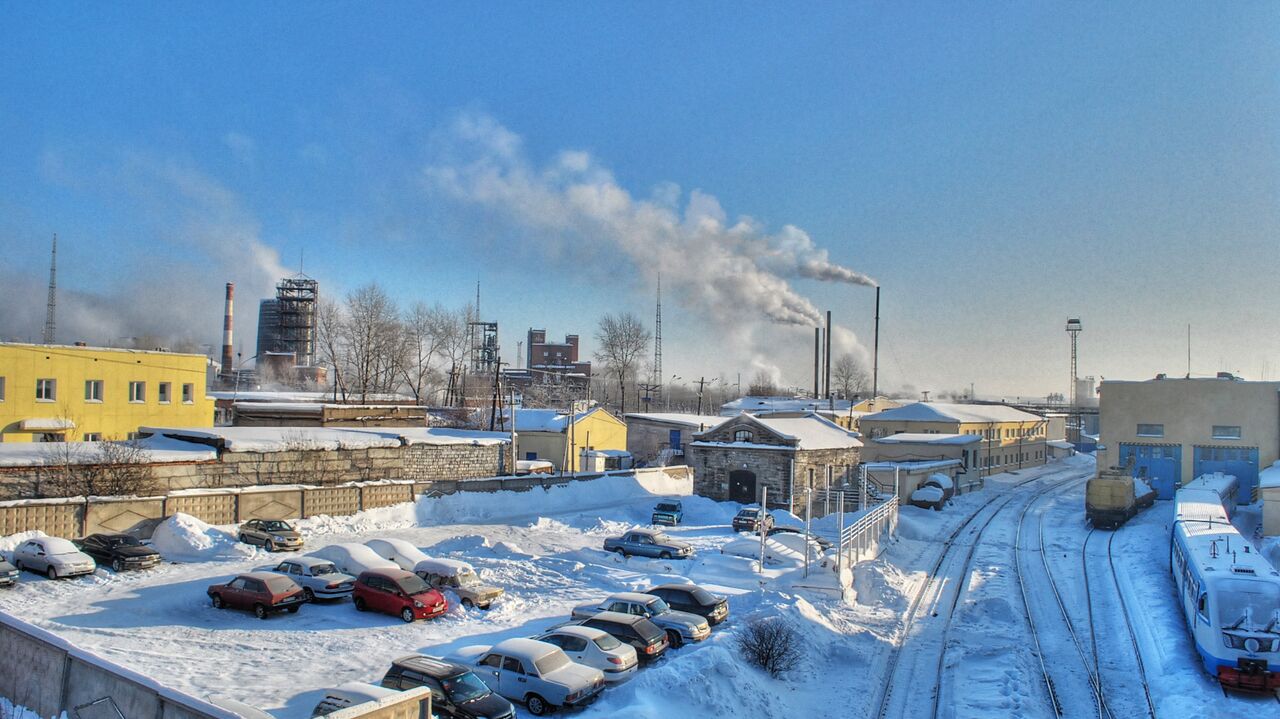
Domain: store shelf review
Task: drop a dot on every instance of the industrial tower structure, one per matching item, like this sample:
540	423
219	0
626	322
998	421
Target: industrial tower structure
288	322
51	308
658	377
1073	328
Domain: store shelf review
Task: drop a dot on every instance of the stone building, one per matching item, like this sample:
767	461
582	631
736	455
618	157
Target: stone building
658	439
739	458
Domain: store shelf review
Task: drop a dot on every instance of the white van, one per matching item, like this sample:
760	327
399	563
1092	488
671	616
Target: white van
460	578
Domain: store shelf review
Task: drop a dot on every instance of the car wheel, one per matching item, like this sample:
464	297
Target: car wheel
259	611
270	545
217	601
665	555
536	704
621	552
467	603
407	615
293	609
674	638
117	565
359	602
244	539
309	595
17	564
51	572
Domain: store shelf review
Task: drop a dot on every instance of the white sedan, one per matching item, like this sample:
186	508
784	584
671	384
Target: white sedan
595	648
351	558
405	555
52	556
319	578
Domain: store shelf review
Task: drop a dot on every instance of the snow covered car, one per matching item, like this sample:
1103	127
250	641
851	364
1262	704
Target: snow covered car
679	626
461	579
351	558
752	519
693	599
349	694
261	592
397	592
8	574
456	692
667	513
648	543
928	497
273	534
538	674
119	551
594	648
784	529
53	557
404	554
319	578
941	481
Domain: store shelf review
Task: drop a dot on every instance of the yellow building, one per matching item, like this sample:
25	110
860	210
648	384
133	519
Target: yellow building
1011	438
70	393
551	435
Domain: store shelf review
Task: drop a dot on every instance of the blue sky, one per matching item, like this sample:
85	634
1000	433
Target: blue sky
996	168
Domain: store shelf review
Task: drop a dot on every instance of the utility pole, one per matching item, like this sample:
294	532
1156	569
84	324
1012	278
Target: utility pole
875	352
51	308
701	382
764	504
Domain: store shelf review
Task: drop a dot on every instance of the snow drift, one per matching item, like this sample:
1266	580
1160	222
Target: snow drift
184	538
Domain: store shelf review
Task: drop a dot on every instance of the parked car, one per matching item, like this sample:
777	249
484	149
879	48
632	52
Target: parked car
402	553
261	592
52	556
594	648
273	534
669	513
648	543
679	626
928	496
538	674
825	544
351	558
119	551
752	519
397	592
456	692
649	641
693	599
460	578
349	694
8	574
319	578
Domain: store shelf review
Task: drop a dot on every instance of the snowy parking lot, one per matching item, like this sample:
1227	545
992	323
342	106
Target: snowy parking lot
544	549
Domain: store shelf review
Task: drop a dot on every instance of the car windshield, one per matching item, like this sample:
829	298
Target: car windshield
657	606
320	570
276	525
1248	604
607	642
464	688
748	513
551	662
412	584
661	539
665	507
125	541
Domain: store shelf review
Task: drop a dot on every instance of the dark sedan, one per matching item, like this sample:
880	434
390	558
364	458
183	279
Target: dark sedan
693	599
119	551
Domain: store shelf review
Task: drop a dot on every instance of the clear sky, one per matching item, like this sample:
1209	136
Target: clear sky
997	168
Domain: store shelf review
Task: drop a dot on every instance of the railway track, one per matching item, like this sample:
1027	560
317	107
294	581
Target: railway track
1141	672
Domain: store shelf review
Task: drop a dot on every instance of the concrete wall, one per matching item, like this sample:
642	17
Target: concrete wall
1270	511
1188	409
410	704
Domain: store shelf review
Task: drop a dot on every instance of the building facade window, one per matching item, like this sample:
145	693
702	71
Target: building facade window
1151	430
46	390
742	435
1	389
1226	431
137	391
188	393
93	436
93	390
162	392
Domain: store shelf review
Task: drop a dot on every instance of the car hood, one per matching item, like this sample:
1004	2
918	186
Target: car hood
288	534
134	551
575	676
676	616
6	567
70	558
487	706
676	544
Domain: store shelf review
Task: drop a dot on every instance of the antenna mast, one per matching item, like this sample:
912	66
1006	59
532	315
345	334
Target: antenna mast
52	308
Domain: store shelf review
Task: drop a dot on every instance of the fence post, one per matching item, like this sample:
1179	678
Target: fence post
839	554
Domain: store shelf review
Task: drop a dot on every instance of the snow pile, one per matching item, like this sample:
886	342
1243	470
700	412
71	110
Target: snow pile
466	544
928	494
9	710
11	542
703	511
941	480
484	507
397	516
1271	550
508	549
184	538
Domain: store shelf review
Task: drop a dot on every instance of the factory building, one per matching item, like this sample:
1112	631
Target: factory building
56	393
555	357
286	350
1010	438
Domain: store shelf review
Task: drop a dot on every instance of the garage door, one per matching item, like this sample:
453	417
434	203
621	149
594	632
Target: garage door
1241	462
1160	465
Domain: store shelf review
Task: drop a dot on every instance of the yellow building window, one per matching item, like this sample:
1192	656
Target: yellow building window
188	393
137	391
46	390
163	393
93	436
1	389
93	390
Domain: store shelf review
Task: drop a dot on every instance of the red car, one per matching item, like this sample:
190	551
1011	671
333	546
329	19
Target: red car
263	592
399	592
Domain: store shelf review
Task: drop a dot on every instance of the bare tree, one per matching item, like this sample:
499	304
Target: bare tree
428	333
83	469
771	644
372	341
624	341
330	334
850	376
762	385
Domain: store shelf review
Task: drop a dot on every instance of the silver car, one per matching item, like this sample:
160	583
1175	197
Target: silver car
8	574
273	534
680	627
53	557
536	673
319	578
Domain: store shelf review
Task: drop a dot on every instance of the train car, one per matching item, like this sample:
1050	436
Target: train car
1114	496
1228	593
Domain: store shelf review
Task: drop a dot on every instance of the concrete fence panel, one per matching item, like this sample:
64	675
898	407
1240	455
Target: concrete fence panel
211	508
277	504
137	516
333	501
32	672
411	704
385	495
87	683
58	518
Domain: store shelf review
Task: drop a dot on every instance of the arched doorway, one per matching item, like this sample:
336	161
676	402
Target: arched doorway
742	486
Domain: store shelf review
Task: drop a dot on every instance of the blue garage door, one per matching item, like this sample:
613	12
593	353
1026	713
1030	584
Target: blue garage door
1161	466
1242	462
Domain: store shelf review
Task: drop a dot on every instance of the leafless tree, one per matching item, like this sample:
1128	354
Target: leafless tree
762	385
624	341
82	469
330	334
771	644
850	376
429	335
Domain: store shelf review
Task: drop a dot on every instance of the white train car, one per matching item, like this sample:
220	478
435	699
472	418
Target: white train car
1229	594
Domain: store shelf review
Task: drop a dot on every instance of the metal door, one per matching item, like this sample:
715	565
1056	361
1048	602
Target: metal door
1160	465
1240	462
742	486
673	437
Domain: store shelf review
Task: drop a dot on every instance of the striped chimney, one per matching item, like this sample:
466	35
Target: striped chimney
226	330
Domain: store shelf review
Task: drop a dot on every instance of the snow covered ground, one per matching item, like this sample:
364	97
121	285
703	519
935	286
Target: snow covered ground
544	549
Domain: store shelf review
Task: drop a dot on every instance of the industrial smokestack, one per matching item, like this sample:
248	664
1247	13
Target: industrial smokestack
826	373
817	354
875	353
227	361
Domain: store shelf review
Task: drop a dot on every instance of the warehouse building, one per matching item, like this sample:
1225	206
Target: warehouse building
1177	429
569	442
658	439
1011	439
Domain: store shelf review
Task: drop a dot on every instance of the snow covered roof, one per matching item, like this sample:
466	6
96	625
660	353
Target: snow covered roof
697	421
953	412
811	431
926	438
46	424
1060	444
158	449
915	465
755	404
281	439
548	420
443	435
1269	478
316	397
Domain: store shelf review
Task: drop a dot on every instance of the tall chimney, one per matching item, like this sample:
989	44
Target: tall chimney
227	362
875	353
826	373
817	353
